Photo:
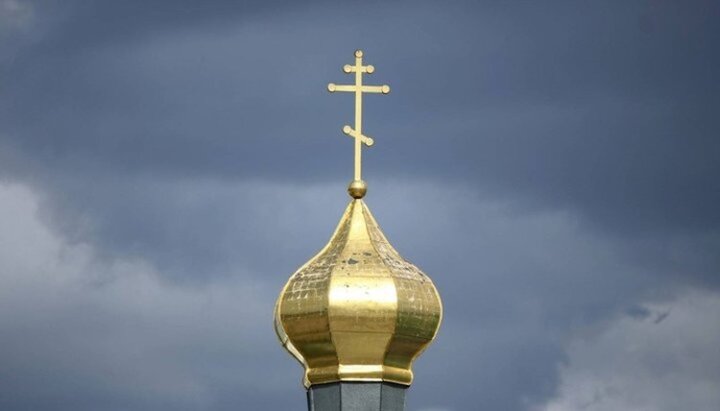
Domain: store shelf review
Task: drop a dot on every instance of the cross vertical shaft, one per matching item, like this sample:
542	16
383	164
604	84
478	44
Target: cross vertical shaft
358	115
356	132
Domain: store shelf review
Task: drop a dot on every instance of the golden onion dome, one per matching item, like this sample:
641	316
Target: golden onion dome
357	311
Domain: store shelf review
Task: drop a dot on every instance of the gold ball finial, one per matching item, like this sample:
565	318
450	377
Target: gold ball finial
358	53
357	189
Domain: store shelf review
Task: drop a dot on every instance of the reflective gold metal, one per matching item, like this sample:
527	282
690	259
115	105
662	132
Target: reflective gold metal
357	189
358	89
357	311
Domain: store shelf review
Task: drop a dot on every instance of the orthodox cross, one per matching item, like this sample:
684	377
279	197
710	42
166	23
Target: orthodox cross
358	89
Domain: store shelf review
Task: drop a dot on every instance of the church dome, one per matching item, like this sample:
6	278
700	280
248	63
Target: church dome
357	311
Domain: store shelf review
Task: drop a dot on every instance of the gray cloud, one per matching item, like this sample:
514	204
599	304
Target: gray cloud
632	364
609	111
81	333
516	289
559	159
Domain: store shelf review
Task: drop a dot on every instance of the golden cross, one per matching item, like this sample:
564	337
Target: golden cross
358	89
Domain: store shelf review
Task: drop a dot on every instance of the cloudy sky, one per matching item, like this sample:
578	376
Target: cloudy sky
553	166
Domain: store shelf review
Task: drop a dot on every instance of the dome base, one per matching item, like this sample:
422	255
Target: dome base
358	373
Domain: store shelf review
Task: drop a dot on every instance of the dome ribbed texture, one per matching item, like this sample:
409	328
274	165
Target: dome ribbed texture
357	311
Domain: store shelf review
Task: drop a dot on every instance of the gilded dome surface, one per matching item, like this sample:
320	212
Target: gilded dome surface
357	311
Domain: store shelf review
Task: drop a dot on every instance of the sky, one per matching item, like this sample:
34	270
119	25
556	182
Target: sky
166	166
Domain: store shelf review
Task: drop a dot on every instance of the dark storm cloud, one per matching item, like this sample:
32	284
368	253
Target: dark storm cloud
608	110
513	286
82	334
567	155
